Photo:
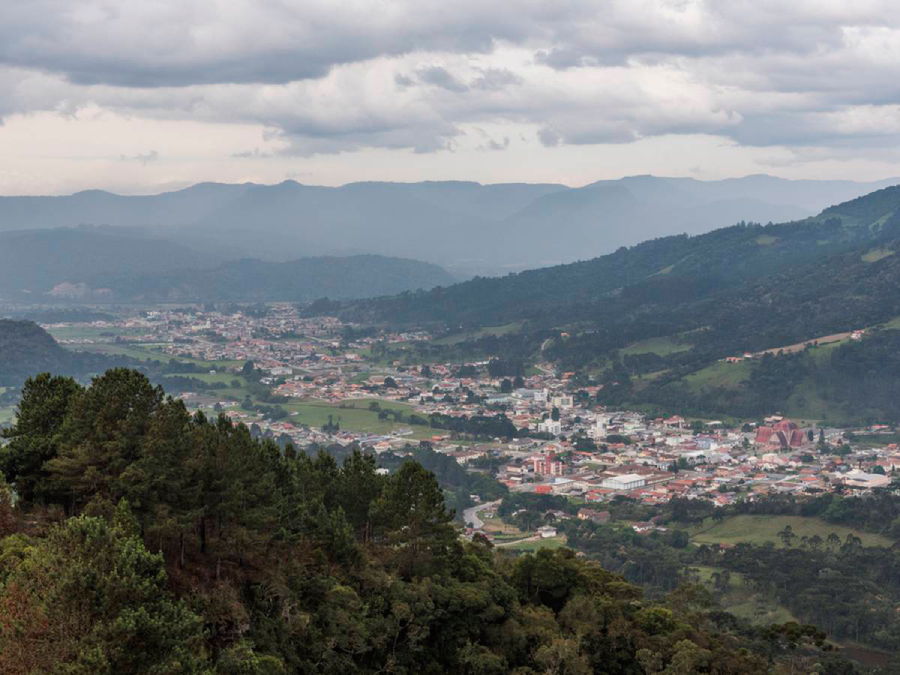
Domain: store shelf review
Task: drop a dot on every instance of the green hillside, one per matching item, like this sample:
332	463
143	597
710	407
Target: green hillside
27	349
301	280
660	340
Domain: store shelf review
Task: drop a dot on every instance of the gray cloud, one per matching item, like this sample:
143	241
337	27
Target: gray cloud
495	79
440	77
327	77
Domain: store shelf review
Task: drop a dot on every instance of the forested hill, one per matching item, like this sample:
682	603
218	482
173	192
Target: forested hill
652	322
26	349
296	281
677	268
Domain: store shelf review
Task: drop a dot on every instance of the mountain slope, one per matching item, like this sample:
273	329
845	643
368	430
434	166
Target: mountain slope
27	349
674	307
37	260
296	281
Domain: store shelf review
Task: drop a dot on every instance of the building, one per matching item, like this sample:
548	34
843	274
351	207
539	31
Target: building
628	481
862	480
562	401
552	427
593	516
548	465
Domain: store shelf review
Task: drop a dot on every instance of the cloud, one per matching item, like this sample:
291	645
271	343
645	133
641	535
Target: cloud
326	77
440	77
495	79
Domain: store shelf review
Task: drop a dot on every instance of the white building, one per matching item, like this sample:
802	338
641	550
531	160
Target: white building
552	427
562	401
628	481
861	479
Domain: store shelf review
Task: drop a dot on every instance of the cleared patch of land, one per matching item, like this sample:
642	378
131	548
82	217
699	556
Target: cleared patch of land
538	544
740	599
355	416
760	530
505	329
720	374
661	346
877	254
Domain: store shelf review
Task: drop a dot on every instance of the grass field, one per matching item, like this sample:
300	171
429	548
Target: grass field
91	332
762	529
661	346
743	601
538	544
496	526
144	352
720	374
358	418
505	329
223	377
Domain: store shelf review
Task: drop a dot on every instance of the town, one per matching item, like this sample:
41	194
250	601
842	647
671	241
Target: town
318	381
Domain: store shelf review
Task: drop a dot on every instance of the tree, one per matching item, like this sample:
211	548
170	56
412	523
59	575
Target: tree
554	414
411	517
249	369
102	434
34	439
787	536
506	386
95	600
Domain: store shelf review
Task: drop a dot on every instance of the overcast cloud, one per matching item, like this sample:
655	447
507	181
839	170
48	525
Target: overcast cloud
344	90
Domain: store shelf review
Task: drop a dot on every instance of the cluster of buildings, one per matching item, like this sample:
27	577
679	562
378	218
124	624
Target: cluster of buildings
565	445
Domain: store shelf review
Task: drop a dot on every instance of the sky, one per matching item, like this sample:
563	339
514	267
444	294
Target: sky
141	96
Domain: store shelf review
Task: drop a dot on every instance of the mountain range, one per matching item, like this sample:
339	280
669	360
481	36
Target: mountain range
466	227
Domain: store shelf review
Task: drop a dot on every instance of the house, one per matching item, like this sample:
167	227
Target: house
594	516
547	531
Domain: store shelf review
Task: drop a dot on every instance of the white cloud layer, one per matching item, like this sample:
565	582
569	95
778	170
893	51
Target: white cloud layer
807	81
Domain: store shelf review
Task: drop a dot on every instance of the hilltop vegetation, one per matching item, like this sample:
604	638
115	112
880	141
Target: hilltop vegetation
26	349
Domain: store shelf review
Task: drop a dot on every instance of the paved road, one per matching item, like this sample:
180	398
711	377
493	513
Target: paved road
470	516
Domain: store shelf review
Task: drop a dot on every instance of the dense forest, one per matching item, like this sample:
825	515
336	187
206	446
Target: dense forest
301	280
26	348
139	538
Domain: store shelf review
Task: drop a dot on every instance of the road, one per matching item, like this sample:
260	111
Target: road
470	516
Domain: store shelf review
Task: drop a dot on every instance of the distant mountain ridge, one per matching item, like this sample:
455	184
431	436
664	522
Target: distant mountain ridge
125	264
466	227
301	280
